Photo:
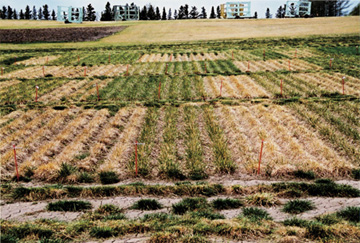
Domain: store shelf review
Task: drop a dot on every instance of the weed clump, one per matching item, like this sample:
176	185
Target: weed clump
108	177
190	204
108	209
65	170
309	175
255	214
355	173
147	204
328	219
298	206
351	214
296	222
101	232
227	203
262	199
207	214
85	177
70	206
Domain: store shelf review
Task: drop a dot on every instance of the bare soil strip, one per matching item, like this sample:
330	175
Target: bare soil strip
57	34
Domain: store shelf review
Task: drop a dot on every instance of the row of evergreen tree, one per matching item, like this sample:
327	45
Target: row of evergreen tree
149	12
42	13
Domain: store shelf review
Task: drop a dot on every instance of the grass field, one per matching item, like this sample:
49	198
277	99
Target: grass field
200	111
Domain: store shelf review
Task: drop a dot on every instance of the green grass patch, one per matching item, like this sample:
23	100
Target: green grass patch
227	203
255	214
351	214
309	175
190	204
147	204
298	206
108	177
69	206
296	222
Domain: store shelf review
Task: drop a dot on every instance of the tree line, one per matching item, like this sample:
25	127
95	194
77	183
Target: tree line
150	12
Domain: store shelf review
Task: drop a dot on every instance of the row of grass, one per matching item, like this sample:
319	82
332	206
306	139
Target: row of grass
108	221
290	190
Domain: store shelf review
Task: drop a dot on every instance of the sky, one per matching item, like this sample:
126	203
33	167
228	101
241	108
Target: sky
259	6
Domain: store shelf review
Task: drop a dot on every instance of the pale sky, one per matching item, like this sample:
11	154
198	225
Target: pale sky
99	5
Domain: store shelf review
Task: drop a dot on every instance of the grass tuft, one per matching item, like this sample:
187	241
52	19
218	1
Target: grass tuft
227	203
108	177
298	206
262	199
101	232
356	174
328	219
351	214
310	175
296	222
65	170
108	209
85	177
190	204
69	206
147	204
255	214
207	214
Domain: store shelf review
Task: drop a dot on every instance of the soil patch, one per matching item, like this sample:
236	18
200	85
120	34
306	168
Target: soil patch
57	34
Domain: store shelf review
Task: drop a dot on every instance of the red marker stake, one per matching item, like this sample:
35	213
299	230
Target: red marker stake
136	158
97	91
343	84
205	68
36	96
281	87
159	90
171	57
166	71
16	166
289	66
47	60
85	71
248	66
43	71
78	58
330	64
264	53
127	70
15	61
261	150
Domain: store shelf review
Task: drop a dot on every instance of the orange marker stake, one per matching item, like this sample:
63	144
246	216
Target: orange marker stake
330	64
205	68
36	95
15	61
264	53
109	58
159	90
289	66
47	59
85	71
281	87
16	166
343	85
43	69
261	150
127	70
171	57
248	66
166	70
2	71
97	91
78	58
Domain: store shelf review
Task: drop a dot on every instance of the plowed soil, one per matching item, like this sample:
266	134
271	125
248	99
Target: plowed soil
57	34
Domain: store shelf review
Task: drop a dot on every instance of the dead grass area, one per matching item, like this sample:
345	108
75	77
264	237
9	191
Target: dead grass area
275	65
38	60
181	58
